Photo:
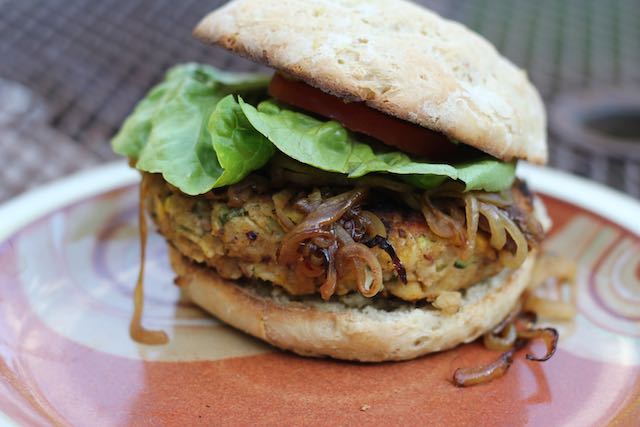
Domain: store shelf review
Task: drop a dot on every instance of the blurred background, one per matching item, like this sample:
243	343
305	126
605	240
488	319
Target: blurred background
71	71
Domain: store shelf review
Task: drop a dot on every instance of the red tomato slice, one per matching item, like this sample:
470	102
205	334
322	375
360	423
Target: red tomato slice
358	117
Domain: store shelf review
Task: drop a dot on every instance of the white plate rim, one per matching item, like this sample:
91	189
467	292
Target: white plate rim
32	205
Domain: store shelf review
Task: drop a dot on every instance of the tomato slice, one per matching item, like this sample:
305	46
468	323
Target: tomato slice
358	117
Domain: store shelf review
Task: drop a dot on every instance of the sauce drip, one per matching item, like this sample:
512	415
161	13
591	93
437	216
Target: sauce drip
138	332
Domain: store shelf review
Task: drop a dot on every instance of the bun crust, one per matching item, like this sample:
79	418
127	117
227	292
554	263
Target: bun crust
397	57
312	327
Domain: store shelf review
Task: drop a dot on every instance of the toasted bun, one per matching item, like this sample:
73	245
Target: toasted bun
312	327
397	57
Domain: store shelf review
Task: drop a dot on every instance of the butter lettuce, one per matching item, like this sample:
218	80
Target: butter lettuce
239	147
169	131
328	146
197	131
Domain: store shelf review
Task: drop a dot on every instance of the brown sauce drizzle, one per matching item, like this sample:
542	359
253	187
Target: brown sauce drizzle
138	332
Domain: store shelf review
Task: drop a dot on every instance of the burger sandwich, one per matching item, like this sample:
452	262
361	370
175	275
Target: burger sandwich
361	202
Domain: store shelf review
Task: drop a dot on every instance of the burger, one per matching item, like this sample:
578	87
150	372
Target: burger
360	203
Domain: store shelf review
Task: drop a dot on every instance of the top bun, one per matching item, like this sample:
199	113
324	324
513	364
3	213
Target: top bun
399	58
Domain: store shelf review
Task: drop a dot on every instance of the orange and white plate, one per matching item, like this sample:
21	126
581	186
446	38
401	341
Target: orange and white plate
68	263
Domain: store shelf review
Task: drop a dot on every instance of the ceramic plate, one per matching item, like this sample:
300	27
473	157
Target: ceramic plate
68	262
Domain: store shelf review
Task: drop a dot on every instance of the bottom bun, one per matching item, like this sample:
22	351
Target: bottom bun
351	328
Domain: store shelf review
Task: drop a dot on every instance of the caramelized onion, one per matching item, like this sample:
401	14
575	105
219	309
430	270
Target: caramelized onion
323	242
342	236
345	240
512	334
361	256
501	340
454	212
440	224
328	287
447	220
309	203
354	226
522	247
292	241
500	200
326	214
331	210
499	226
465	377
280	202
548	335
317	261
307	269
314	230
472	216
384	244
510	318
372	224
525	320
496	228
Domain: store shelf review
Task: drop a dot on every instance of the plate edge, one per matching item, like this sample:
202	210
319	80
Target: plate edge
32	205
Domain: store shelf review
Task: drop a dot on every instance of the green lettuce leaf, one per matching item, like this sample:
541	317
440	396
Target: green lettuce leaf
239	147
330	147
168	131
191	129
